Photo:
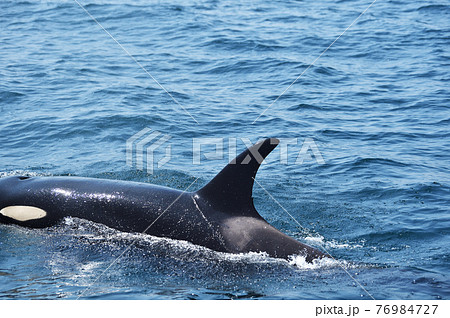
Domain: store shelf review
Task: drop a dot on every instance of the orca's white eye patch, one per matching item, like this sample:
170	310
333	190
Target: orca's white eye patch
23	213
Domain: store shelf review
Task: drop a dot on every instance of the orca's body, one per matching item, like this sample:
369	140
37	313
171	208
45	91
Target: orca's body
220	216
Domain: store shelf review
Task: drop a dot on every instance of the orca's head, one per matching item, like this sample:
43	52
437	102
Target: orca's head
14	178
9	186
13	203
12	181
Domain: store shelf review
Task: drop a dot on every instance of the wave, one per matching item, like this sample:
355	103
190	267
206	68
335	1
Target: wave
434	8
10	96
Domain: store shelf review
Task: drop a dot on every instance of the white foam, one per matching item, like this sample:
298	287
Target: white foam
179	249
319	240
326	262
4	174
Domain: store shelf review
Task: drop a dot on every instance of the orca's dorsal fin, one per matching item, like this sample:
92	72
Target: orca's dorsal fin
231	190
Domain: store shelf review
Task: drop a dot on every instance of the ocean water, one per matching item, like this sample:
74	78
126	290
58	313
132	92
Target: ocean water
375	106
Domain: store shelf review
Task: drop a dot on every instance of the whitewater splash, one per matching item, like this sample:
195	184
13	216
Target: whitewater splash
182	250
4	174
318	240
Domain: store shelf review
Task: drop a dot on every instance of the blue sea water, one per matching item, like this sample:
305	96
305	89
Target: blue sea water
376	104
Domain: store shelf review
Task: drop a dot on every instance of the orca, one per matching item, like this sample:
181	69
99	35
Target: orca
220	216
